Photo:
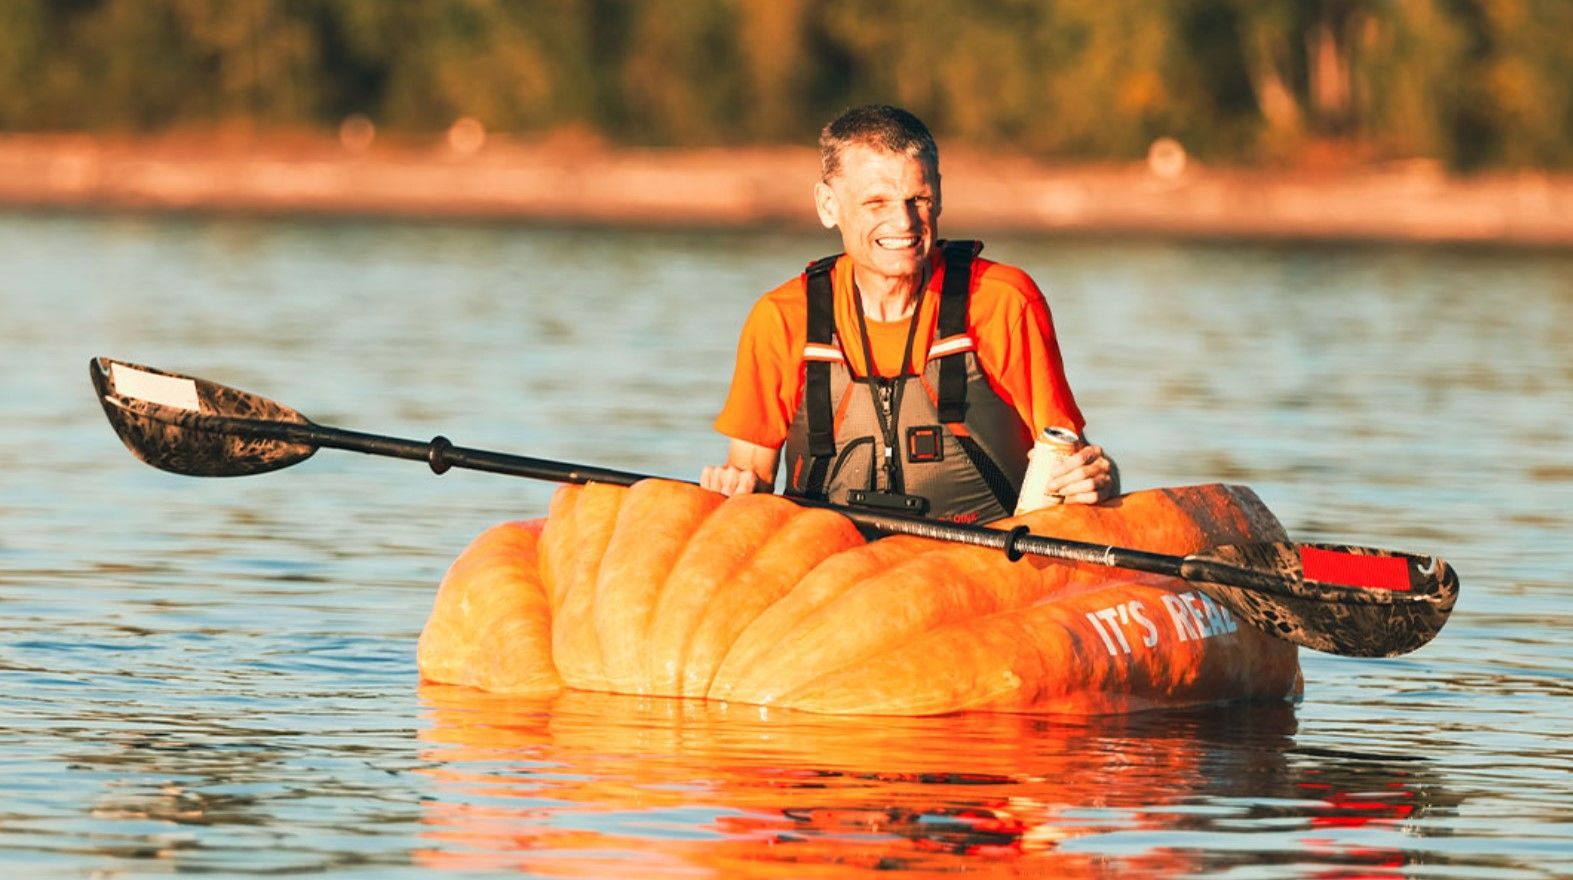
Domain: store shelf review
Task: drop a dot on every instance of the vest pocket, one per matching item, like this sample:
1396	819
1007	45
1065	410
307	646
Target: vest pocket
1000	486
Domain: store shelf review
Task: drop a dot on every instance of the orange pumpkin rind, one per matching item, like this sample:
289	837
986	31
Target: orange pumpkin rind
664	589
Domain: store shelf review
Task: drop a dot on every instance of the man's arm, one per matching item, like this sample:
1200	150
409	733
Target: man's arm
1027	362
749	468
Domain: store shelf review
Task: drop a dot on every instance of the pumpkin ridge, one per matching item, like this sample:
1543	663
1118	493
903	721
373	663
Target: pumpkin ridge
688	565
686	647
559	517
953	593
828	692
576	645
813	633
752	655
758	585
636	568
490	624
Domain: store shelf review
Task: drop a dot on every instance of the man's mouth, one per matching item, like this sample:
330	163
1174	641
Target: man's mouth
897	243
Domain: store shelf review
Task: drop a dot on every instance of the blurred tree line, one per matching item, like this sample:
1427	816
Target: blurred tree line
1474	83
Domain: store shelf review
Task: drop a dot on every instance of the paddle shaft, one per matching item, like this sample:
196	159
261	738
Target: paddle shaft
441	455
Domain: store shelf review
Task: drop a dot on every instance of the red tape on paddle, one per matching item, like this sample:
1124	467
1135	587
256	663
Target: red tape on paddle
1355	570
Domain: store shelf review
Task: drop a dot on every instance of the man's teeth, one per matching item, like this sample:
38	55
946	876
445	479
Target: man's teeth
896	243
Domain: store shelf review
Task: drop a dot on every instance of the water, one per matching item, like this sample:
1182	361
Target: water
218	676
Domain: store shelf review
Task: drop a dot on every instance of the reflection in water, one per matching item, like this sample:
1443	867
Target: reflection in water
560	786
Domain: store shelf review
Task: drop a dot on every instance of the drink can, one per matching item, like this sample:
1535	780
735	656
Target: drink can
1051	446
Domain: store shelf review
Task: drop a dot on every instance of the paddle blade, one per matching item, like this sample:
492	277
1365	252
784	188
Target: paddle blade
168	420
1354	601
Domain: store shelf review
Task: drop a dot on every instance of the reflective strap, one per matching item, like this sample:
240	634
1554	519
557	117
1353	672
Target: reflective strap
952	345
813	351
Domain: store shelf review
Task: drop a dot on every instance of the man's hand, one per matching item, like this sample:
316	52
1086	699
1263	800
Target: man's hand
1086	476
749	468
729	480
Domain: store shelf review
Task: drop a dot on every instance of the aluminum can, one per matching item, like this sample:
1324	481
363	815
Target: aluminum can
1051	446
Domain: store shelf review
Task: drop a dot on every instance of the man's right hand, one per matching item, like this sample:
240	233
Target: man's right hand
728	480
746	467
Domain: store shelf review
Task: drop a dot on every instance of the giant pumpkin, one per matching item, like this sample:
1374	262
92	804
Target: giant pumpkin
664	589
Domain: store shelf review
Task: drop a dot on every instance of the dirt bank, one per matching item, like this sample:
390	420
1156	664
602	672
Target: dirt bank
585	182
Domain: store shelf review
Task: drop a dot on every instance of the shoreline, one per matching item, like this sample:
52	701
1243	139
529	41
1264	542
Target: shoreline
585	182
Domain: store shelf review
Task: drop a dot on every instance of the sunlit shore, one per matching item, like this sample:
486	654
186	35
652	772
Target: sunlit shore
582	181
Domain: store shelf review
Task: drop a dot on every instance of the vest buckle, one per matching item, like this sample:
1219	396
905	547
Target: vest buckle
915	505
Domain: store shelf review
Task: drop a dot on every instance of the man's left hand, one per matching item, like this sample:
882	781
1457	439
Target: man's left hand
1086	476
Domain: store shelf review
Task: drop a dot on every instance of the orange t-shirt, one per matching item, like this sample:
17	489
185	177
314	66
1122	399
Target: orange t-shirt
1006	316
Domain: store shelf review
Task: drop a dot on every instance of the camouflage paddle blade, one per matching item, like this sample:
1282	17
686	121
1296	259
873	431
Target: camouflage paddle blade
1354	601
167	420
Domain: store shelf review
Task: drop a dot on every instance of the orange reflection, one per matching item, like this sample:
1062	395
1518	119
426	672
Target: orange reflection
584	784
596	785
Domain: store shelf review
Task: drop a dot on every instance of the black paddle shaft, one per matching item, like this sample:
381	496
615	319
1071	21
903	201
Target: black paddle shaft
440	454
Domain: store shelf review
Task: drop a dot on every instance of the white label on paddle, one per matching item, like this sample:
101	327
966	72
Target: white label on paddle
153	388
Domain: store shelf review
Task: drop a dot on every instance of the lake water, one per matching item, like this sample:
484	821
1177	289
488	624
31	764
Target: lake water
218	676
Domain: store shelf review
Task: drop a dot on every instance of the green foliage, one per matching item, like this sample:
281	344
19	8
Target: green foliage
1474	83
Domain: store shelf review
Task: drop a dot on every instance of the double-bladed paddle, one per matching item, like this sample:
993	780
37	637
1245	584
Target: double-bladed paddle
1355	601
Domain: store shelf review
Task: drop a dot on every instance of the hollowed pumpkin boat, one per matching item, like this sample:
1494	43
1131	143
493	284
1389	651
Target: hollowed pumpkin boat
663	589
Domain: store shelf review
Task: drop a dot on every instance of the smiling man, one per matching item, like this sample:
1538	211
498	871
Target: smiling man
906	373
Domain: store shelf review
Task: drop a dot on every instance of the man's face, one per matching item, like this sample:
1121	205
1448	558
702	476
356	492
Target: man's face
885	205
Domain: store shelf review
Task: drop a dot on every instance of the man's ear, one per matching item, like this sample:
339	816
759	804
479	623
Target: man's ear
825	202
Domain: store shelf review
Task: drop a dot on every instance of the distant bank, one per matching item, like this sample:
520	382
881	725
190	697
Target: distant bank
565	181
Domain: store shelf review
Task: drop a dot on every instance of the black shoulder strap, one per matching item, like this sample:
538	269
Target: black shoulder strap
954	297
953	322
816	376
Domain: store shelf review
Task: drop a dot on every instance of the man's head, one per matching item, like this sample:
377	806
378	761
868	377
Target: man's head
880	187
880	126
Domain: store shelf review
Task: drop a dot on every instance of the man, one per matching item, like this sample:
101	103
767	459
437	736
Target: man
907	373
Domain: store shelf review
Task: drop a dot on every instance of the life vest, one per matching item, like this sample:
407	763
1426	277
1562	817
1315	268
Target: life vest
940	443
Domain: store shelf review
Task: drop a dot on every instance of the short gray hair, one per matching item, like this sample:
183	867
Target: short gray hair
876	125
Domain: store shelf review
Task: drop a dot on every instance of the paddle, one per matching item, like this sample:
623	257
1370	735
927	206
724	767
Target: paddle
1355	601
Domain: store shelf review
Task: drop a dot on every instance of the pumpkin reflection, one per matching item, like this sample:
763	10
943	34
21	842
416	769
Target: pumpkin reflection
585	784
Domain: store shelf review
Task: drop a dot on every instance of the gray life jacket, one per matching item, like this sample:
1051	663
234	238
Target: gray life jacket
941	443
